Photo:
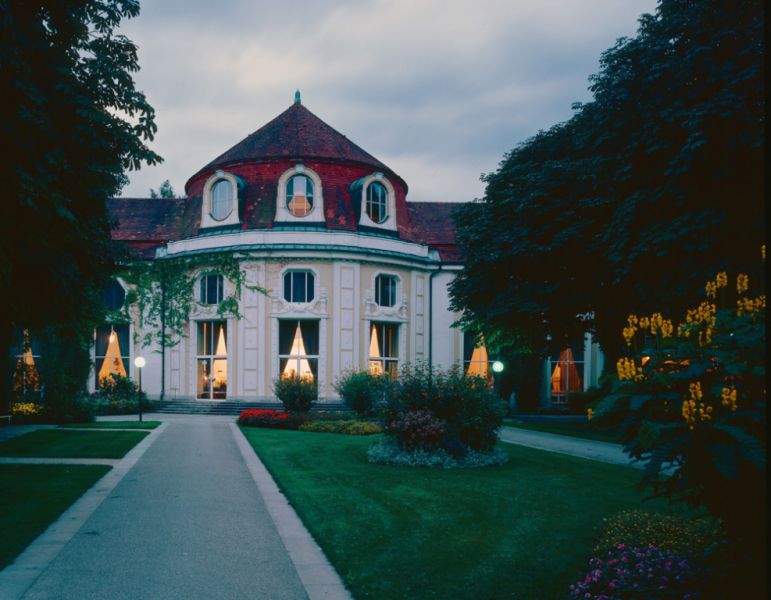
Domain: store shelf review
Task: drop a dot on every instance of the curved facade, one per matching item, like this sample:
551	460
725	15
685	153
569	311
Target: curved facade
356	276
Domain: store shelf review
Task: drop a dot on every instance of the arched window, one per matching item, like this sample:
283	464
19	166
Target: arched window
212	289
377	202
221	200
385	290
298	286
114	296
299	195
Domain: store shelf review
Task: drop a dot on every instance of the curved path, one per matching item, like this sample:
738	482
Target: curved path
187	520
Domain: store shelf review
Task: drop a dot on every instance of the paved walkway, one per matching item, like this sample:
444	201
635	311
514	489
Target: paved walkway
564	444
187	521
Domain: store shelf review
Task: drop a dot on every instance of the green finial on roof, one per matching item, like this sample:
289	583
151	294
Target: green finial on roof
297	97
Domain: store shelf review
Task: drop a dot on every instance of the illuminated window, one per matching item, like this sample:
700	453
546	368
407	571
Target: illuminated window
299	195
385	290
26	378
475	359
114	296
566	375
384	349
212	360
377	202
298	286
112	352
221	200
211	289
298	348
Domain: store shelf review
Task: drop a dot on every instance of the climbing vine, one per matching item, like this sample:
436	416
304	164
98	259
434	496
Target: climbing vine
163	291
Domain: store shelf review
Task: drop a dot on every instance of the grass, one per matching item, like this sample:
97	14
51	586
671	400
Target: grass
581	429
60	443
113	425
33	496
523	530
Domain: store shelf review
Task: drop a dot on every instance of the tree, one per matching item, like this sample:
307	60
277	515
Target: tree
75	123
165	191
617	208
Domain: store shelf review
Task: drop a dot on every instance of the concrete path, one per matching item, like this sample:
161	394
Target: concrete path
187	521
565	444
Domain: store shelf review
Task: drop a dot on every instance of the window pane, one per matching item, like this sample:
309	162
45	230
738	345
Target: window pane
221	199
203	338
385	290
310	334
288	287
114	296
298	286
309	295
299	195
376	202
203	381
112	352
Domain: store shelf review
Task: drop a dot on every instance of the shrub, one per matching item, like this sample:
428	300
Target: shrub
627	572
347	427
467	406
361	391
118	395
417	429
70	410
388	452
693	395
27	412
671	533
296	393
271	418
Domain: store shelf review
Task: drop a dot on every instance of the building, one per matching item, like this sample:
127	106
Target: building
355	275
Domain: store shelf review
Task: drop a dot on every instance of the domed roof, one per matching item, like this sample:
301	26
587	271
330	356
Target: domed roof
295	133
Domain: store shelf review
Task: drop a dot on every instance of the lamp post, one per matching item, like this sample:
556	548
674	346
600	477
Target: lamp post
139	362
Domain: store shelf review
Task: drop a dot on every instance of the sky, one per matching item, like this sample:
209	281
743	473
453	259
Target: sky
438	90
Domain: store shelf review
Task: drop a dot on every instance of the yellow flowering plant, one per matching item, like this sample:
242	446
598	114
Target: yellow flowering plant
691	397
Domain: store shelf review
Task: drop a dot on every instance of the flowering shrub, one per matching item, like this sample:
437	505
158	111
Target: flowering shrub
467	407
271	418
693	396
627	572
296	393
27	409
417	429
672	533
347	427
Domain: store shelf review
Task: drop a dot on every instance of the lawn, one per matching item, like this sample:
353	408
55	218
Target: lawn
582	429
59	443
33	496
113	425
524	530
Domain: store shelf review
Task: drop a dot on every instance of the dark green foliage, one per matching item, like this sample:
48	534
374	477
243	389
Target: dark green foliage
361	391
615	209
297	394
164	191
72	125
346	427
389	452
466	406
119	395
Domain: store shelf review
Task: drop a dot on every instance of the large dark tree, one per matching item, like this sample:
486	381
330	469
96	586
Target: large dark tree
73	123
637	200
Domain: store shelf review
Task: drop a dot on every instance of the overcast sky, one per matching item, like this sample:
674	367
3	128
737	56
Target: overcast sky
438	90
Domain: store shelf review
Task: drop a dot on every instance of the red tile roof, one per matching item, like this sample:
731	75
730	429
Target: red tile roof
295	133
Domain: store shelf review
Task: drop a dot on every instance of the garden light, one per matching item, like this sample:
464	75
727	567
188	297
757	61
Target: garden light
497	366
139	362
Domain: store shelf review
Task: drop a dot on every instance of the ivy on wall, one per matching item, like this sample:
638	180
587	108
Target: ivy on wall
163	291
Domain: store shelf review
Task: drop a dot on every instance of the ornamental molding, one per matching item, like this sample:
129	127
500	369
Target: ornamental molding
374	312
317	308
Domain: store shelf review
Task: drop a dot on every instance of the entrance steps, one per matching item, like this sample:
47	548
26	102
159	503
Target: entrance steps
225	407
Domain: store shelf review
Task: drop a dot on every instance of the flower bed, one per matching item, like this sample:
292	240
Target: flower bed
389	452
347	426
269	417
625	572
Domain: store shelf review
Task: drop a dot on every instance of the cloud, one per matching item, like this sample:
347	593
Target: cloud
437	90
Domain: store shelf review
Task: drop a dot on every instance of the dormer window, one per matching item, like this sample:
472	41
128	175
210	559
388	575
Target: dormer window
221	200
300	198
299	195
377	202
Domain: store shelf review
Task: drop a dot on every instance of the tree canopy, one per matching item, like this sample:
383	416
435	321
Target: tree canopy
164	191
647	191
74	123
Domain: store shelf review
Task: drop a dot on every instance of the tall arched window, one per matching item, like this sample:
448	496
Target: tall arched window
221	200
114	296
377	202
299	195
